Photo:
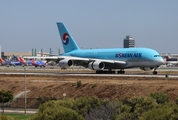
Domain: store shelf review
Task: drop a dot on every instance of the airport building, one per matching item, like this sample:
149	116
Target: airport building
8	55
34	52
128	42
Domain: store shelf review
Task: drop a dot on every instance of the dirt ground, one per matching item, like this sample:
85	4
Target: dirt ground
103	87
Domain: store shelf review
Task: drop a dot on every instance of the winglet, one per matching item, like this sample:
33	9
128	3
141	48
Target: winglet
33	62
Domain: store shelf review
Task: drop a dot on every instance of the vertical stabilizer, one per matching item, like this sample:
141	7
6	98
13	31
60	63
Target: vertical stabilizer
22	60
1	60
33	62
15	57
67	40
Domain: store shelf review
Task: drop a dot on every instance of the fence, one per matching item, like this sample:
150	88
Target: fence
20	103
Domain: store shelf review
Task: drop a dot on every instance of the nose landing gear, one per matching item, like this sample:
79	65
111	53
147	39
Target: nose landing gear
155	72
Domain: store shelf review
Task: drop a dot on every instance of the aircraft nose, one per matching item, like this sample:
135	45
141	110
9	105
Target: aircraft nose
161	61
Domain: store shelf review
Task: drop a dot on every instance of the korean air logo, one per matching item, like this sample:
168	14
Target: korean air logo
128	55
65	39
119	55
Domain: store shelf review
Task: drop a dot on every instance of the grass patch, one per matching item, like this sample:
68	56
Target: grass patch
94	85
19	116
79	83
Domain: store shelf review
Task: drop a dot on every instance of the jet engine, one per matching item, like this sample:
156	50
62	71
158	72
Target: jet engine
65	63
146	68
97	65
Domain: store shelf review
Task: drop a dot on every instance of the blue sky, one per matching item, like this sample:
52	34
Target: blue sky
93	24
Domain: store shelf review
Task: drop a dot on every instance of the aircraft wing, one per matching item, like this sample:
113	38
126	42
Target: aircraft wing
85	62
50	58
78	61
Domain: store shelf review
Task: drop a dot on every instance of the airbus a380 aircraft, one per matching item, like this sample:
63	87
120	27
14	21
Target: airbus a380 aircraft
101	59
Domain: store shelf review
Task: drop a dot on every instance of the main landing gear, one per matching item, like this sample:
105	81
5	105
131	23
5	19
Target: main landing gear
105	72
110	72
121	71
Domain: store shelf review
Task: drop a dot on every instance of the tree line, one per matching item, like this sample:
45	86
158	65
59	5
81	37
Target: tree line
155	106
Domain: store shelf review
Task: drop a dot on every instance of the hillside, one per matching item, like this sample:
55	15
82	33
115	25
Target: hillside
103	87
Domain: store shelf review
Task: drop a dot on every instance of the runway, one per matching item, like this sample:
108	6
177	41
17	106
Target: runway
73	68
86	74
30	70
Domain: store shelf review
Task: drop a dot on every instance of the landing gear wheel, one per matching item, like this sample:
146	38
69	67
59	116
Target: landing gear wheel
155	72
121	72
111	72
105	72
99	72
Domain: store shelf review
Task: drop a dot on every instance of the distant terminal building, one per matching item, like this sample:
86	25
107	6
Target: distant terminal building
170	55
8	55
129	42
34	52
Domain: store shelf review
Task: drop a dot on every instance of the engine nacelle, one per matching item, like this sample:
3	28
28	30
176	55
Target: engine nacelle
96	65
146	68
65	63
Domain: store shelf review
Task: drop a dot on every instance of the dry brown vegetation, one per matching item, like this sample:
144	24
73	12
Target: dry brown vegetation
104	87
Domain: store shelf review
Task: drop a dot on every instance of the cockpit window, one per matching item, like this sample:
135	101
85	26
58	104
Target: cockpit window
157	56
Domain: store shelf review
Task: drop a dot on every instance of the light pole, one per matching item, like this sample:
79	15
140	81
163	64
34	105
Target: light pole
25	90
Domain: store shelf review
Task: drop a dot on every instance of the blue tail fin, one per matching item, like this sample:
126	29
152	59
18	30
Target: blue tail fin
67	41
